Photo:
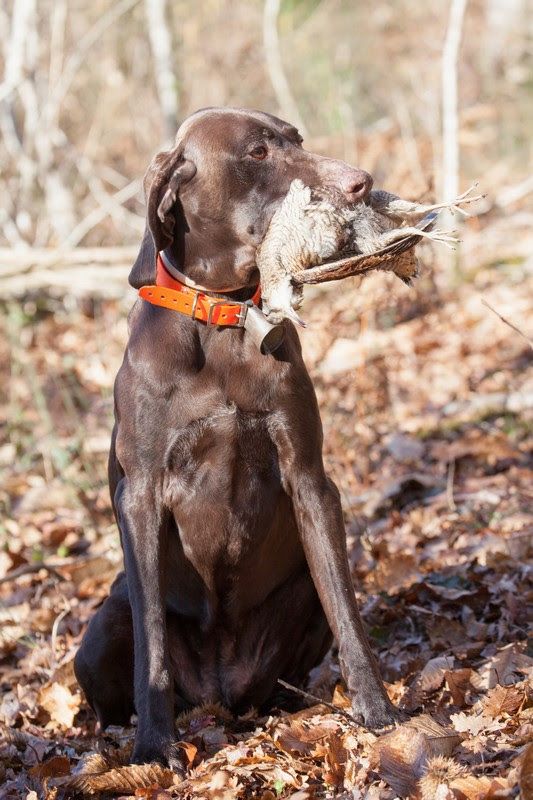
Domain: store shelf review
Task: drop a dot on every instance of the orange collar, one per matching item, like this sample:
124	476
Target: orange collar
168	292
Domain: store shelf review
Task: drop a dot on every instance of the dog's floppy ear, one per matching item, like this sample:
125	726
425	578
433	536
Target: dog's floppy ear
167	172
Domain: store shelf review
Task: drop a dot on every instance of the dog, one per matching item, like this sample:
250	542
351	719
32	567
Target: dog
235	564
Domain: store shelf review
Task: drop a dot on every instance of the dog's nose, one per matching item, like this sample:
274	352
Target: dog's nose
356	184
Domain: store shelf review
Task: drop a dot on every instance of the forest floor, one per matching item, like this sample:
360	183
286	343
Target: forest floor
425	396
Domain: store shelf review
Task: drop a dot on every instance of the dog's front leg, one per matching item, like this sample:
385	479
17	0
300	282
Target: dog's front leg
143	538
320	522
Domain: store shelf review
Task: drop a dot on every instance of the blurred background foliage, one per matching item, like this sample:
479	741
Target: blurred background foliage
80	111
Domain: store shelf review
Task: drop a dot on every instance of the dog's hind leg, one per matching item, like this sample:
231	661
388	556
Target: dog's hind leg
104	662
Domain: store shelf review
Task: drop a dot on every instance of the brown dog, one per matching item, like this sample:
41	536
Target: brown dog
233	536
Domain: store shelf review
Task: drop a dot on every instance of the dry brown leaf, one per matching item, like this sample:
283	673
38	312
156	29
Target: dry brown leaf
335	756
402	754
152	793
61	703
458	683
96	762
52	768
503	700
393	574
187	752
64	674
120	779
98	568
223	786
432	676
430	679
472	787
526	774
501	669
341	698
299	738
401	757
442	741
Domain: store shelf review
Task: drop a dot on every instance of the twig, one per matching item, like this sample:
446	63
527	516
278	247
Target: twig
512	194
274	63
449	485
53	638
29	569
77	58
108	207
510	324
317	699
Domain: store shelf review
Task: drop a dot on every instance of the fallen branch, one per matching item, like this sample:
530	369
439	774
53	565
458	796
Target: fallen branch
510	324
100	271
30	569
316	699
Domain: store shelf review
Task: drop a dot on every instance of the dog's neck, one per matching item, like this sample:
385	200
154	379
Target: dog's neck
171	267
217	260
236	292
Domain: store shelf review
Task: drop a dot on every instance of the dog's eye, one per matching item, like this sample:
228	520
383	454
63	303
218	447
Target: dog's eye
259	152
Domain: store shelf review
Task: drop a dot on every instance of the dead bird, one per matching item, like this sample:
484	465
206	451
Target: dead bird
313	225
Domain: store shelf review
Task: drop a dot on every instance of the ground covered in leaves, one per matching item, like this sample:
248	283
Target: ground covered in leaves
426	398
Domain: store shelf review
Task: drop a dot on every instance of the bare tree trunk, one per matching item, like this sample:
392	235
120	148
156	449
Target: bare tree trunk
23	10
287	103
450	125
450	120
161	44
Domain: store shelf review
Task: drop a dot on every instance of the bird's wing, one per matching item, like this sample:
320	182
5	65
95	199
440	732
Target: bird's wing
384	259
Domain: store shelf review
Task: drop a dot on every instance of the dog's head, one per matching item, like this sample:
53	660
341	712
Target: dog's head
211	197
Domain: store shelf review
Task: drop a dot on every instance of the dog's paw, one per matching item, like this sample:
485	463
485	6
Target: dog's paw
164	753
377	716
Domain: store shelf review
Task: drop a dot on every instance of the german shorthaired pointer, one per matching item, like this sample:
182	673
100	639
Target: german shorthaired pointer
236	571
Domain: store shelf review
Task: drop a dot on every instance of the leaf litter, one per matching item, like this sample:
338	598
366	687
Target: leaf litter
426	404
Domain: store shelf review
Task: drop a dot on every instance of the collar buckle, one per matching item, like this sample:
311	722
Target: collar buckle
241	316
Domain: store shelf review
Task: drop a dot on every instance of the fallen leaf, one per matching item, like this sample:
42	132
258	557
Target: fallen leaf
473	723
187	752
502	668
335	756
472	787
458	683
52	768
152	793
429	679
401	759
395	573
299	738
503	700
61	703
402	754
526	774
120	779
340	697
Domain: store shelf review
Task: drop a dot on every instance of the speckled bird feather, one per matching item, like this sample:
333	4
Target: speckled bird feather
314	226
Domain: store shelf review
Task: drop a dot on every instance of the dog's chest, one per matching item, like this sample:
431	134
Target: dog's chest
222	483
